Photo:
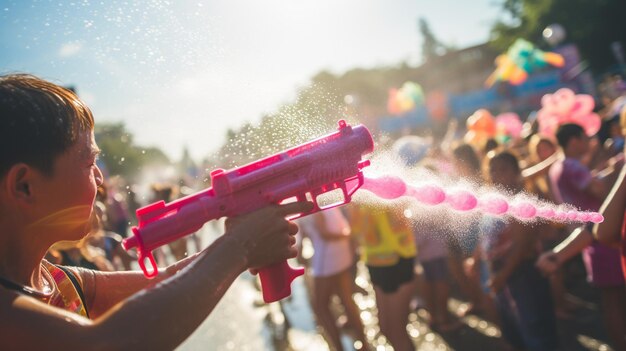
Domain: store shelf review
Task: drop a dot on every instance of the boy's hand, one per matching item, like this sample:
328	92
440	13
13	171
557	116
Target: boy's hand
266	235
547	263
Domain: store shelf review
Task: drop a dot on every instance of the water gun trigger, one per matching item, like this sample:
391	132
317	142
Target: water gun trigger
345	196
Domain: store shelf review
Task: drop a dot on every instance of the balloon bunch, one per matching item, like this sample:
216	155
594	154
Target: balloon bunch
564	106
482	126
521	59
405	99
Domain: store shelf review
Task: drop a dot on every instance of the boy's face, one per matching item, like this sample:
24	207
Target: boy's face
65	200
580	144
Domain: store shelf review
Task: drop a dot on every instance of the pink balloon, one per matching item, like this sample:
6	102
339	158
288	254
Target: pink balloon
566	107
510	123
583	105
560	102
591	123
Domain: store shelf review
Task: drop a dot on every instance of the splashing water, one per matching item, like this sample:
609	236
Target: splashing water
392	187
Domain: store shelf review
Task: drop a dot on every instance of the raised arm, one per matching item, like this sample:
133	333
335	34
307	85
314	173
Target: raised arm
612	209
161	317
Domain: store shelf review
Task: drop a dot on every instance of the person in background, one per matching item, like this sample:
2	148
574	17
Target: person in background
573	183
330	267
388	251
115	209
467	167
521	293
543	153
432	256
167	193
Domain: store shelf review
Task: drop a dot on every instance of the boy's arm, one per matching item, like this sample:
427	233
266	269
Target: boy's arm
523	243
608	232
104	290
161	317
143	321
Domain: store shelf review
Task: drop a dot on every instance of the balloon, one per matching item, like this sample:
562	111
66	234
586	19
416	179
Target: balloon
414	92
393	106
482	121
521	59
508	124
405	99
564	106
437	105
480	126
476	138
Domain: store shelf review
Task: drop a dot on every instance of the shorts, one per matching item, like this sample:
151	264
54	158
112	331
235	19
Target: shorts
436	270
603	266
390	278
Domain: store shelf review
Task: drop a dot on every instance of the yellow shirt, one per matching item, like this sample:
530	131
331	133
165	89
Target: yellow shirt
386	236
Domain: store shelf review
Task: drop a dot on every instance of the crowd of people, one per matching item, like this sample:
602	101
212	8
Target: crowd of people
510	272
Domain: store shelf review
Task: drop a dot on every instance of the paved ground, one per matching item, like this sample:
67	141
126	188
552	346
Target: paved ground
242	322
582	332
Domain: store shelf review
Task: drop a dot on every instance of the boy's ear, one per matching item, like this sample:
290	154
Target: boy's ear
19	182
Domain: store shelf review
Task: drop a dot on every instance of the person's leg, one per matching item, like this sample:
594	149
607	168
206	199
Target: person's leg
441	295
508	321
394	315
428	295
533	306
467	286
322	291
429	288
344	282
614	315
557	288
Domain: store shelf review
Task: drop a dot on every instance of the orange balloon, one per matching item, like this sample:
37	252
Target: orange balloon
482	121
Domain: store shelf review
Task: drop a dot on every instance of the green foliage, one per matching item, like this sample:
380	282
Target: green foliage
591	24
119	153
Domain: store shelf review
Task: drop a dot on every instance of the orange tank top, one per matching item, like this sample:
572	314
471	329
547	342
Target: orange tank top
68	292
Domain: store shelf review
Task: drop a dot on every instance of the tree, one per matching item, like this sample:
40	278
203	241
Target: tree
120	155
431	46
591	24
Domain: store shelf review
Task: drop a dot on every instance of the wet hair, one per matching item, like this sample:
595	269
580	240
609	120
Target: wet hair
39	121
490	144
567	132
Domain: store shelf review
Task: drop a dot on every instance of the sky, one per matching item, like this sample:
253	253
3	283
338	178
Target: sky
180	73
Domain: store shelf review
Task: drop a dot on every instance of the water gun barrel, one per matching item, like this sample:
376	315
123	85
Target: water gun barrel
160	224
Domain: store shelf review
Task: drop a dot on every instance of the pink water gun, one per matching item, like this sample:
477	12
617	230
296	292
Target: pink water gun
331	164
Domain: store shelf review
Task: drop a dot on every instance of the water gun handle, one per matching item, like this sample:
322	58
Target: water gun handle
276	280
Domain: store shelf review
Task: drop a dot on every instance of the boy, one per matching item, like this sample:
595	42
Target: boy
48	182
574	183
522	294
